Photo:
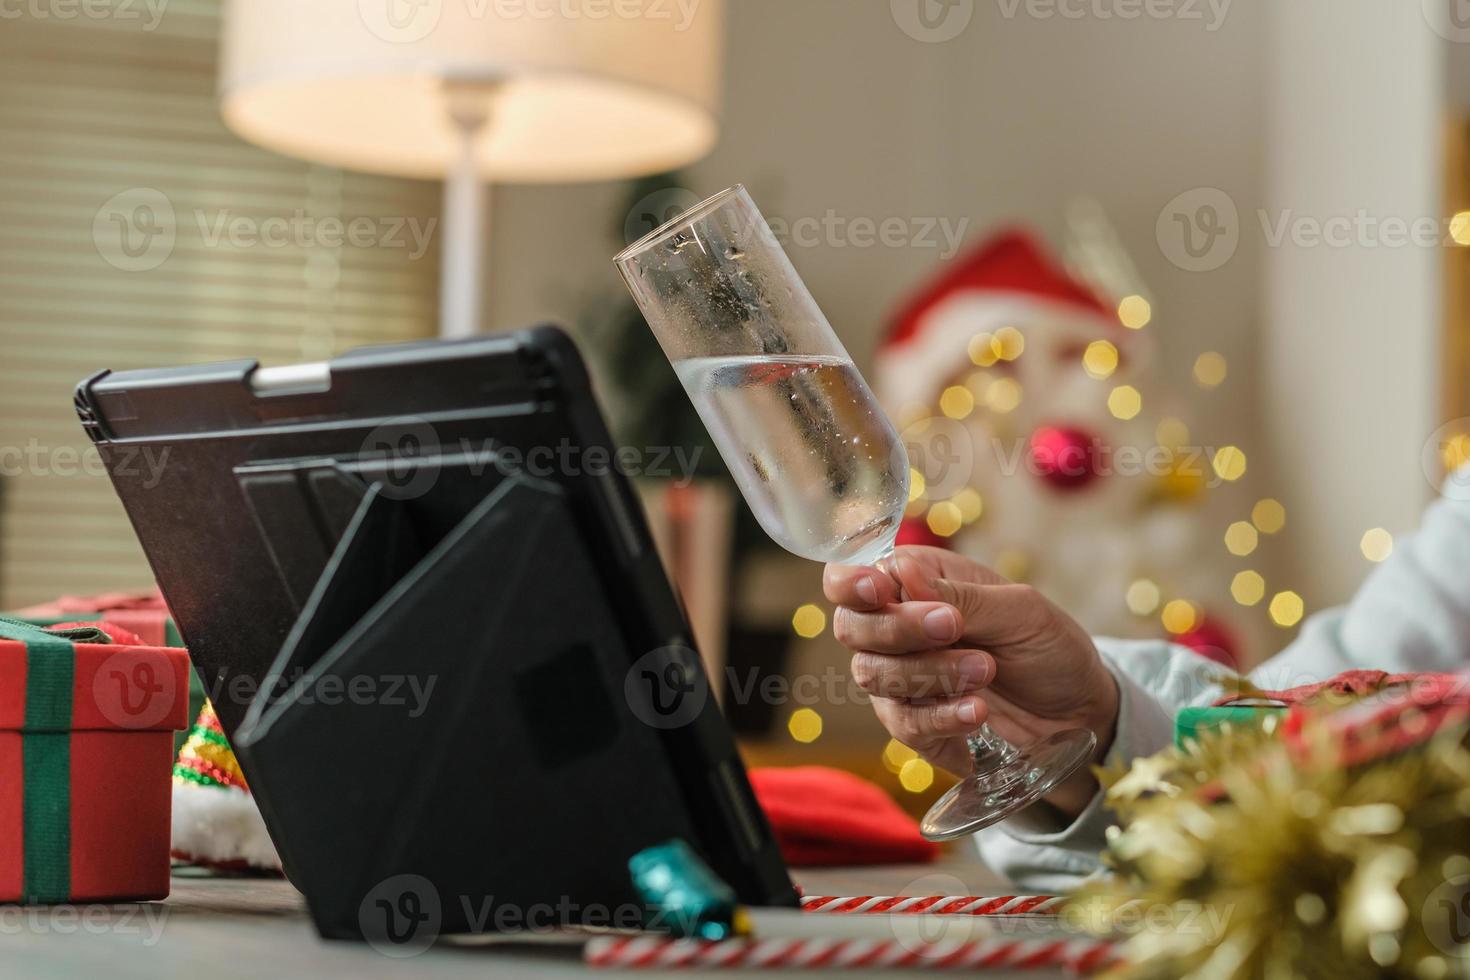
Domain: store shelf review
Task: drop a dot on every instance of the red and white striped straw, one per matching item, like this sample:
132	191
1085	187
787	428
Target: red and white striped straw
662	953
935	904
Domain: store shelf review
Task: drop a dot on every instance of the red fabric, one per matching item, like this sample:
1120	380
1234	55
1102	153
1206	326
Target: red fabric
1423	688
1010	262
824	817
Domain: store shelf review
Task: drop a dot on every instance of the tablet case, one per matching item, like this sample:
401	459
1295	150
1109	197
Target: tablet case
548	717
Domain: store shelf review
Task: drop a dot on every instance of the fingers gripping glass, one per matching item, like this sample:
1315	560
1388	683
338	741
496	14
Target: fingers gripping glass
818	462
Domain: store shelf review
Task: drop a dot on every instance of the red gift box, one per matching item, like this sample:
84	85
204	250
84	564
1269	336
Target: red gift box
142	613
86	751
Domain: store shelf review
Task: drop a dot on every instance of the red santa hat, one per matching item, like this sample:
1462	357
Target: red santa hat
1008	280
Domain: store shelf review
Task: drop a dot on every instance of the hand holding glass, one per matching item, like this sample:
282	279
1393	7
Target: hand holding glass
818	462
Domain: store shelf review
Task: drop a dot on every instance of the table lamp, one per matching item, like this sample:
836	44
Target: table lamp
473	90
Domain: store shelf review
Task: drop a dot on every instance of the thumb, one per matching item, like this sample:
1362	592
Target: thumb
994	615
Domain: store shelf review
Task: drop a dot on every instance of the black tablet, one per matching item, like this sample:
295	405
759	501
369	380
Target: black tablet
423	597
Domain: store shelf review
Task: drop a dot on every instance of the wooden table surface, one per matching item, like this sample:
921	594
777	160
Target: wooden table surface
215	928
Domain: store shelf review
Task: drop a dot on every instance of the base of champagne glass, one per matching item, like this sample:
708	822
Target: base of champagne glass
988	796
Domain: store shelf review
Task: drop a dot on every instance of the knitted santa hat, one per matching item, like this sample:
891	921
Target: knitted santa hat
1009	280
215	821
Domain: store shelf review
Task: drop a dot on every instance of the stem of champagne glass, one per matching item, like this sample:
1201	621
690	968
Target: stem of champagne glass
988	750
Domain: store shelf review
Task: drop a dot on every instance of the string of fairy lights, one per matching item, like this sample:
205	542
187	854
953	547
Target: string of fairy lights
1144	597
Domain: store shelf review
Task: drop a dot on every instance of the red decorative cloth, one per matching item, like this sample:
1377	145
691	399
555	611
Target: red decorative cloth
1422	688
1391	713
826	817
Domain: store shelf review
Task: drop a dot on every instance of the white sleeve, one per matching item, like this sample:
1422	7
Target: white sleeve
1040	850
1412	614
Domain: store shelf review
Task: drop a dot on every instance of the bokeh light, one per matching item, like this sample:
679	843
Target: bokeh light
1460	227
895	754
1210	369
1454	452
982	350
1286	608
956	402
970	503
1009	343
808	621
1241	538
1100	359
945	518
1134	312
1179	616
1268	515
916	776
1229	463
1171	433
1125	402
1376	545
805	725
1003	395
1142	597
1248	587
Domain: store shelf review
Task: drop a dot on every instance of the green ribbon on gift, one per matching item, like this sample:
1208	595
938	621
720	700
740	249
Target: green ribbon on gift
46	758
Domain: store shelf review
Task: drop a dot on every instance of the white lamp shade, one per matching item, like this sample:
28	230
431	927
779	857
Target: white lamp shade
585	89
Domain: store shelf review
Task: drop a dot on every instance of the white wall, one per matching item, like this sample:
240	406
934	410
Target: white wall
831	106
1351	333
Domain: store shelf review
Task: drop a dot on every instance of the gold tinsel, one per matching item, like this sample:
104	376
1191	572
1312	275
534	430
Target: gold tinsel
1238	858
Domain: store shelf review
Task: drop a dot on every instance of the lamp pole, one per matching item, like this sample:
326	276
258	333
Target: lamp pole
466	218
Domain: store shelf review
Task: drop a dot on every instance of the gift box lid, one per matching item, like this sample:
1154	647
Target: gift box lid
73	680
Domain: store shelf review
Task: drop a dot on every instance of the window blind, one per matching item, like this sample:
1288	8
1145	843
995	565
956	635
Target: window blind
136	231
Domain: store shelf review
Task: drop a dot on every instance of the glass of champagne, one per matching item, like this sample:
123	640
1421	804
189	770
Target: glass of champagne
820	465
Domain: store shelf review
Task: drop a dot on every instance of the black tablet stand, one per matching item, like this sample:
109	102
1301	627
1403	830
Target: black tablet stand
449	735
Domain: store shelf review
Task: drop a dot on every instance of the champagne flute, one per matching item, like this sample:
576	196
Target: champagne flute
820	465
